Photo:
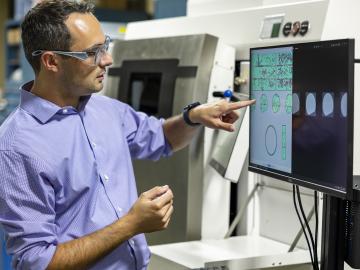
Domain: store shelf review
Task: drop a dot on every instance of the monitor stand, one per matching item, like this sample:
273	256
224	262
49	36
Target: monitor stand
333	234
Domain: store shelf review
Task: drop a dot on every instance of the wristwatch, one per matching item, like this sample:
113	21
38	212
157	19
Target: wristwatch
186	111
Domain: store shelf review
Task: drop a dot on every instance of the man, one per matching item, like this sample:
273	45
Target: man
67	189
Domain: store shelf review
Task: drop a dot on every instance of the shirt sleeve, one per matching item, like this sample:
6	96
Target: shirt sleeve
145	135
27	203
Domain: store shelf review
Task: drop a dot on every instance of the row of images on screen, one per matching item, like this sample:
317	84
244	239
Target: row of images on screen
292	103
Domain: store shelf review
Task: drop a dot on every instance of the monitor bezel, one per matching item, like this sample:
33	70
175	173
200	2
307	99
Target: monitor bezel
348	193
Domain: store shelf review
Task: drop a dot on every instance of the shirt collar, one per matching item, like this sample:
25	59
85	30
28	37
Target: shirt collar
43	109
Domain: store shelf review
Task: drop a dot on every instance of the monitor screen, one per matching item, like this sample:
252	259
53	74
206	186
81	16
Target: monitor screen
301	127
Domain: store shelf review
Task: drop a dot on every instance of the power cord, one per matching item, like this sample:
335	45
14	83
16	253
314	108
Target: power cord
308	228
303	228
316	224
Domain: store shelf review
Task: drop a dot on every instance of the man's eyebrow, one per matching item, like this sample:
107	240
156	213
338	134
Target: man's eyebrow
93	47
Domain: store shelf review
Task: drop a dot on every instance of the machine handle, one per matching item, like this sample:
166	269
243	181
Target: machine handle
225	94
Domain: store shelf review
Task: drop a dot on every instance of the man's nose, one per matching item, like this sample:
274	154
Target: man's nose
106	60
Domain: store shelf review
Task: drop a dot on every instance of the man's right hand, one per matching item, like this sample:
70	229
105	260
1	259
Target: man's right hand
152	211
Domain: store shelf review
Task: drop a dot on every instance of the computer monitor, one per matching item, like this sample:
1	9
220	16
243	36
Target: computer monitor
301	127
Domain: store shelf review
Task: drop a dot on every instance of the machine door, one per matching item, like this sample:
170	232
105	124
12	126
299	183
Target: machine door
149	85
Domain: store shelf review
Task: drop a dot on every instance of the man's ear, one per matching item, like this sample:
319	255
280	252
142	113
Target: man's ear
50	61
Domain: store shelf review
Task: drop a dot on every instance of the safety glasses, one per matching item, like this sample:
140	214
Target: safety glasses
97	54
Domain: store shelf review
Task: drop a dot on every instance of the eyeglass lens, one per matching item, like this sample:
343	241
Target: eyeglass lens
101	51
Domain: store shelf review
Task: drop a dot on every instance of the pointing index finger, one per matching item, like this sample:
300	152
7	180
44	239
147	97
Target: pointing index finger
240	104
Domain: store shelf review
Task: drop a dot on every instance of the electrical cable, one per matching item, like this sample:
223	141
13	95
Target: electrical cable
301	232
316	225
307	227
316	266
303	228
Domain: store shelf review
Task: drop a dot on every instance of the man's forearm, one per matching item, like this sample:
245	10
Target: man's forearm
83	252
177	132
216	115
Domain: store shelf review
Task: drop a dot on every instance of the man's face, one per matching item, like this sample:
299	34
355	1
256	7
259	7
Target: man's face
84	77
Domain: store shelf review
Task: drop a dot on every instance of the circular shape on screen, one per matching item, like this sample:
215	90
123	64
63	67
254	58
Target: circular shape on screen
288	104
295	103
270	140
276	103
310	104
328	104
263	103
343	105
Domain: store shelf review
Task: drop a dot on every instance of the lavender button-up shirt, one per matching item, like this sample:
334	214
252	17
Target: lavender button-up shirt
66	172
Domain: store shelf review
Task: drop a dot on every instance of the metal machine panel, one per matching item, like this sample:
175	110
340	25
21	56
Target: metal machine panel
241	252
184	170
201	7
284	218
239	28
230	149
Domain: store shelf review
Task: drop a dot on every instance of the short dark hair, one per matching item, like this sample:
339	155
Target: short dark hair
44	28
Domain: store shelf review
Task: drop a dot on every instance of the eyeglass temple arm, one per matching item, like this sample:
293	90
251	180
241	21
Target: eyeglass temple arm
79	55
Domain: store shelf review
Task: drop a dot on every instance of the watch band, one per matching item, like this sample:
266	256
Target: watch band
186	111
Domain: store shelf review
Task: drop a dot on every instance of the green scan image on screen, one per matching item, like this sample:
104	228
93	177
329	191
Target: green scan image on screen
271	81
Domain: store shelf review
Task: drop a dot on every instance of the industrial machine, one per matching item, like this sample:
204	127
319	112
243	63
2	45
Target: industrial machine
269	224
160	76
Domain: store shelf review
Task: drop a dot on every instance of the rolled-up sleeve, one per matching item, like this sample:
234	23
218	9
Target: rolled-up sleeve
27	210
145	136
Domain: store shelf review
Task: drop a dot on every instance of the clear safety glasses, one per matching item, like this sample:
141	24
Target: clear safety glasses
97	53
